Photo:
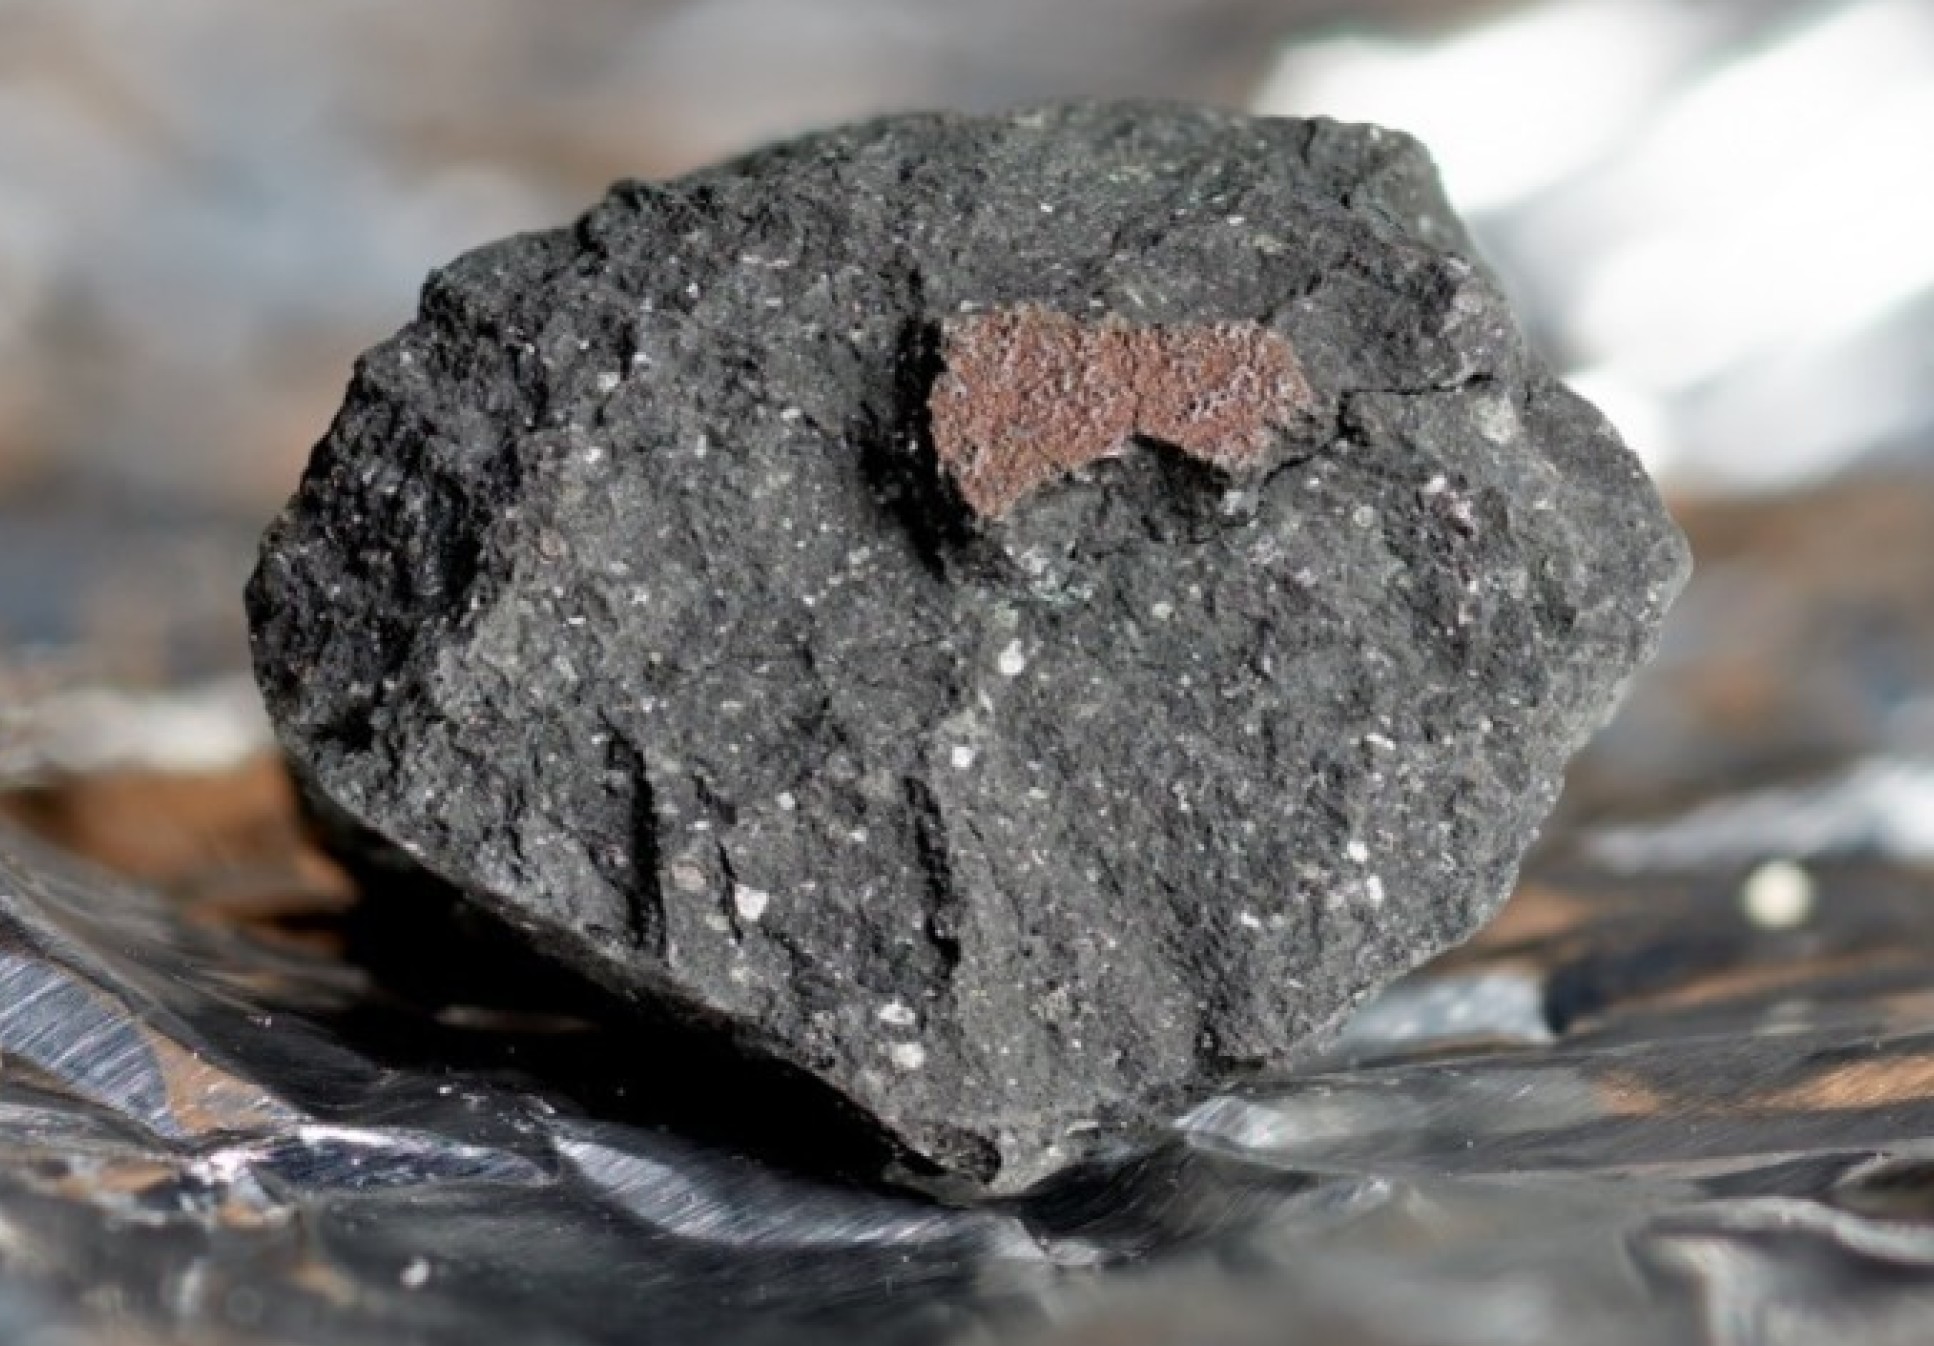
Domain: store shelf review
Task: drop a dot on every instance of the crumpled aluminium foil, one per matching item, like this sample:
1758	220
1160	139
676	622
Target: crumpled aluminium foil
1655	1122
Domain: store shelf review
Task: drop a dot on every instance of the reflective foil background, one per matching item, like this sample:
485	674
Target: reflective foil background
1683	1089
1640	1110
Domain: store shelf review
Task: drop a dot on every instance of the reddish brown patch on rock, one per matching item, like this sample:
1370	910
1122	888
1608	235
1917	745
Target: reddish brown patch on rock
1029	395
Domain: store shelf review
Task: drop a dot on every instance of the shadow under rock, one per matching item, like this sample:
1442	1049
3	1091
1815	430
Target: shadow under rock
478	1000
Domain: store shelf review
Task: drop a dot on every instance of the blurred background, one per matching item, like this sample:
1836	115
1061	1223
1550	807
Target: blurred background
1718	218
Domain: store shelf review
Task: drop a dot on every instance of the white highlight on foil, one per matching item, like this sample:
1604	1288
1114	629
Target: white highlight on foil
1883	807
1720	227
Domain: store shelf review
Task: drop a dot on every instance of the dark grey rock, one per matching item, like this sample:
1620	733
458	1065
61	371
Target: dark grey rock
630	594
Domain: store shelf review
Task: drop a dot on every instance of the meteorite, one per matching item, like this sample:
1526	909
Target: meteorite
1025	619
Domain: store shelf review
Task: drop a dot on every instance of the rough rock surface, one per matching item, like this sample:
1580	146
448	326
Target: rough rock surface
694	588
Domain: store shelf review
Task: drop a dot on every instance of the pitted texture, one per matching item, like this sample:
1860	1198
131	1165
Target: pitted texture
646	590
1030	395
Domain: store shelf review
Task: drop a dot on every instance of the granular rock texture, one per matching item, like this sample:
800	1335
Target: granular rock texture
1025	758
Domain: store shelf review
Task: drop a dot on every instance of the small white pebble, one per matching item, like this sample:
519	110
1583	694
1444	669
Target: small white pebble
1778	895
1248	920
417	1274
1012	660
787	801
1373	889
750	903
608	381
1162	611
907	1055
961	756
1357	851
897	1014
1364	516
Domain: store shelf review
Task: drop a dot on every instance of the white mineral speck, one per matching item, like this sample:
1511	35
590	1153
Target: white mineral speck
1357	851
1248	920
1161	612
787	802
416	1275
1012	660
1373	889
1364	516
907	1055
1497	419
608	381
750	903
1778	895
961	756
897	1014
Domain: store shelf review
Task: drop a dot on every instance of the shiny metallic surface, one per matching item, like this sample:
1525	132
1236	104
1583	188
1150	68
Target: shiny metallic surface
1649	1120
